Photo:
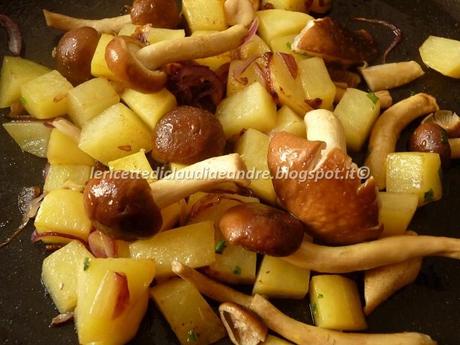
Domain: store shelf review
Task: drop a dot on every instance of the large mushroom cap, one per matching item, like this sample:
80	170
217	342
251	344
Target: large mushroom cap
338	209
326	38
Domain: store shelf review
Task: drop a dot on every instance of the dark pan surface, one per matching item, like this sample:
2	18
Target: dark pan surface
431	305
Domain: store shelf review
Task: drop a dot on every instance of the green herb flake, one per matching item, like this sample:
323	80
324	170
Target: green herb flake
86	263
289	45
237	270
320	296
192	337
23	101
429	196
372	96
220	246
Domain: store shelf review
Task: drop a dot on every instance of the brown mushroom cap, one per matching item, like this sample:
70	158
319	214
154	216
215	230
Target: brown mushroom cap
187	135
74	53
121	59
327	38
158	13
448	120
243	326
122	208
338	209
430	137
262	229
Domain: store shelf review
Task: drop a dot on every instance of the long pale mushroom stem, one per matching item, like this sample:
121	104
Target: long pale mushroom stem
198	177
293	330
67	23
369	255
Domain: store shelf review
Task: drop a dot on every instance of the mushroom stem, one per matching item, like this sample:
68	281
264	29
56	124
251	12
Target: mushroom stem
391	75
301	333
210	288
293	330
455	148
323	125
198	177
389	126
369	255
190	48
385	98
67	23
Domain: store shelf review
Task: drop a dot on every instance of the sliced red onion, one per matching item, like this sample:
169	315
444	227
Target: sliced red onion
243	68
101	245
61	319
291	64
14	34
122	301
67	127
251	31
39	236
396	31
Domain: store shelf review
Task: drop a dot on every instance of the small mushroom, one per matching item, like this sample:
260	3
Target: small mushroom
158	13
327	38
128	208
388	128
448	120
318	183
243	326
318	6
293	330
137	66
430	137
262	229
455	148
239	12
74	53
391	75
187	135
67	23
374	254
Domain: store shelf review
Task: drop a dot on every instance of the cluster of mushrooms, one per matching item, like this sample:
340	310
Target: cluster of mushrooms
341	214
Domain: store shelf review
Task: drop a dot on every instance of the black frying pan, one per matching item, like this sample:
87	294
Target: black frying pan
431	305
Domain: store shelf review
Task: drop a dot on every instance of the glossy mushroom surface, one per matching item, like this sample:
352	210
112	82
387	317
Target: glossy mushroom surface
430	137
262	229
158	13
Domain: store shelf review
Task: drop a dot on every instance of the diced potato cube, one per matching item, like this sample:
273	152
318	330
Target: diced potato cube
59	274
62	176
253	107
255	47
442	54
213	62
280	279
136	163
396	212
357	111
272	340
62	149
62	212
99	66
335	303
253	148
238	80
316	81
287	84
275	23
289	121
15	72
45	97
187	312
158	34
291	5
415	172
192	245
172	214
31	136
204	15
112	297
150	107
114	134
282	44
90	99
